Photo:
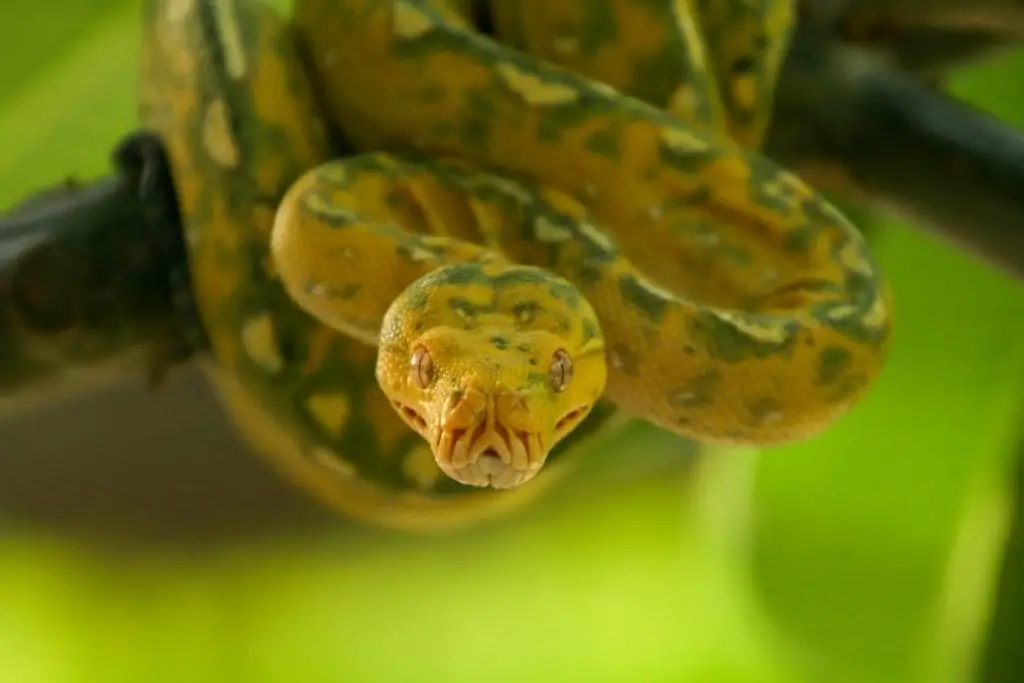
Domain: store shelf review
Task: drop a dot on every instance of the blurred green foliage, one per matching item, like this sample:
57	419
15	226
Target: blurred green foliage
865	555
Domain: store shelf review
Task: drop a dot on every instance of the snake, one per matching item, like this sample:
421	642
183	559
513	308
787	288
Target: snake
436	245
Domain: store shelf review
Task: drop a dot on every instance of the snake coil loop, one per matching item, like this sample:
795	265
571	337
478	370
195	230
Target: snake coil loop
540	227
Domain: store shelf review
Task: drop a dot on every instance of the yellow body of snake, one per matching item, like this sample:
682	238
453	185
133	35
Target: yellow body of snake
567	213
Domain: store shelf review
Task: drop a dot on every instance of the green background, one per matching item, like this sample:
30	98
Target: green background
864	555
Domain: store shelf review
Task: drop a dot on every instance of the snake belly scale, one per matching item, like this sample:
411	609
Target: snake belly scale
526	246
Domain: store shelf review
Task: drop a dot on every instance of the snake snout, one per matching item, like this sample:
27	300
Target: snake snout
480	446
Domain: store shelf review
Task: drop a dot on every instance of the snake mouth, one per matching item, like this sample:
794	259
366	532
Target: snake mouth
493	456
489	454
570	420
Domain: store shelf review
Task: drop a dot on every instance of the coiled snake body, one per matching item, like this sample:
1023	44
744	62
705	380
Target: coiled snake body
535	227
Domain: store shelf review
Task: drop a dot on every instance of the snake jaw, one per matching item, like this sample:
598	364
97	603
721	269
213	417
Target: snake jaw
486	453
489	454
486	439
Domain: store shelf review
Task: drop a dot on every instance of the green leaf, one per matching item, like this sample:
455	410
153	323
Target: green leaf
857	529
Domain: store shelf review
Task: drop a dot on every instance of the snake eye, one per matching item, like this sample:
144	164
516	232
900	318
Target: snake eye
560	370
421	367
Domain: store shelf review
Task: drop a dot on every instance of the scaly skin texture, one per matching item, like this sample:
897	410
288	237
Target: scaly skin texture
779	325
709	62
222	84
516	355
738	305
651	50
748	41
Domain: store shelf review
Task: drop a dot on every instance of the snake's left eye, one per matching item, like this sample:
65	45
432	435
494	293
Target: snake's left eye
560	370
421	367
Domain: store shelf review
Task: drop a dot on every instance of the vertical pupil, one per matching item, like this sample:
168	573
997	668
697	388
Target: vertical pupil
560	370
422	367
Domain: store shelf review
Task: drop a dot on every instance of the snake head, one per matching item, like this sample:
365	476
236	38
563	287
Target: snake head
493	364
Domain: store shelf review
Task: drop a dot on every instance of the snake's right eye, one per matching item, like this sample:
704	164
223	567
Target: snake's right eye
421	367
560	371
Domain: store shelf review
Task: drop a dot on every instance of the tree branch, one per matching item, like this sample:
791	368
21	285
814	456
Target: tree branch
852	123
85	295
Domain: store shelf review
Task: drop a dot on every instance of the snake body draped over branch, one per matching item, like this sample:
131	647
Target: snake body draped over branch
539	227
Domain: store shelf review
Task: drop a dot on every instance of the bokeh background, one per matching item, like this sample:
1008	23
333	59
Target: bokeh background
139	541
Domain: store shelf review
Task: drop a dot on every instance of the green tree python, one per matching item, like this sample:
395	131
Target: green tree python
536	230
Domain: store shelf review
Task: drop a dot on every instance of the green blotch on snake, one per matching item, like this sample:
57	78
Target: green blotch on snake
481	110
851	324
728	343
848	385
588	274
689	162
643	299
459	274
566	293
538	379
463	308
832	363
799	240
562	119
523	275
598	26
525	311
333	215
764	409
699	391
589	330
731	255
698	197
657	76
605	142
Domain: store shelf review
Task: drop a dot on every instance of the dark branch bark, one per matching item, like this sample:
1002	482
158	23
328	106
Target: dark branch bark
902	146
85	292
931	53
928	38
998	16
